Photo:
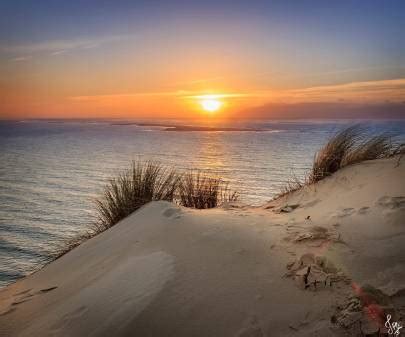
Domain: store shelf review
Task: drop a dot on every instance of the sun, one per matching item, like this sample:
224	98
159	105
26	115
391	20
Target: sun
210	104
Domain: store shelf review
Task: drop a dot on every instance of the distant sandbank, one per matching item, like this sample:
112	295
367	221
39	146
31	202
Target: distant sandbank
170	127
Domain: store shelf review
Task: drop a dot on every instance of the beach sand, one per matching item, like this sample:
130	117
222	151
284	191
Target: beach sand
326	260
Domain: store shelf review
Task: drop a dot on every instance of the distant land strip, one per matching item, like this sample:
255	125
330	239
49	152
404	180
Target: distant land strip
189	127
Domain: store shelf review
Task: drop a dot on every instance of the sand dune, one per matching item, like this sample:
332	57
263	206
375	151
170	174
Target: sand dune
327	260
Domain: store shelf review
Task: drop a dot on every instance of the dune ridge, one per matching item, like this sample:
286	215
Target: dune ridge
325	260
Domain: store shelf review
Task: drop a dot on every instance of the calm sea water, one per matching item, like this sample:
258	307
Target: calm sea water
50	172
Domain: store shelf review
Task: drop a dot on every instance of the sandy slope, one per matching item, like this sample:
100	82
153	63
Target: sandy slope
235	271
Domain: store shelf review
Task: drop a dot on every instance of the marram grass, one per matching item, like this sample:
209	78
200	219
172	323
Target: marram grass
147	181
348	146
133	188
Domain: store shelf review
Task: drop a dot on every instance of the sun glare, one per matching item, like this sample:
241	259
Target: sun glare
210	104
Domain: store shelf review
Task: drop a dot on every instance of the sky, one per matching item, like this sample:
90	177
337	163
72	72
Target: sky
166	59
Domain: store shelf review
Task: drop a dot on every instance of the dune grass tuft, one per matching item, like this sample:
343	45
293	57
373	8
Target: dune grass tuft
147	181
197	190
350	146
133	188
290	186
329	158
379	146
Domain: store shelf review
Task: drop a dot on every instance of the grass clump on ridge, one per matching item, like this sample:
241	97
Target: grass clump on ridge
147	181
290	186
142	183
200	191
330	157
349	146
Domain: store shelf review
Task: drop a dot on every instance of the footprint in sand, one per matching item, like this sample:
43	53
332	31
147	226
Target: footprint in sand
7	310
311	203
24	296
251	329
22	299
66	320
288	208
314	236
343	213
24	292
391	202
363	210
170	212
75	313
47	289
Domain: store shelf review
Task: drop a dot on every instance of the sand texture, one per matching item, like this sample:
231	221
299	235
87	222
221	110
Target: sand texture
326	260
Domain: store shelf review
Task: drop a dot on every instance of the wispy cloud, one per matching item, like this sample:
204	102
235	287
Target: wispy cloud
87	98
368	91
219	96
183	94
21	58
55	53
200	81
276	76
56	47
326	74
361	92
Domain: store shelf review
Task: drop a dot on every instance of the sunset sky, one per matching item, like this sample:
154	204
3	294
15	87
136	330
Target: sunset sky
171	59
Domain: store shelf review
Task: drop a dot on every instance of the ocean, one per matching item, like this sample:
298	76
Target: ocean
51	171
